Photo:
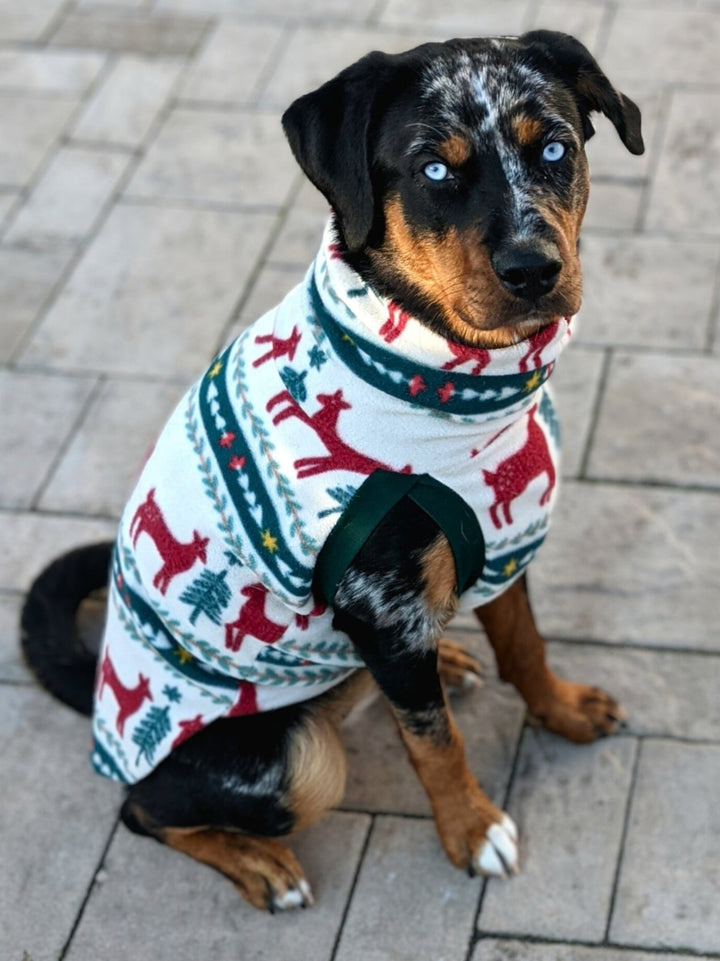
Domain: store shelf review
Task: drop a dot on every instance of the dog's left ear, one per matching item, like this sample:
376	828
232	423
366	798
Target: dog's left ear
575	65
328	131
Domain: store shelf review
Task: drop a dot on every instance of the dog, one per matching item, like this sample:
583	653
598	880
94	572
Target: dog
374	453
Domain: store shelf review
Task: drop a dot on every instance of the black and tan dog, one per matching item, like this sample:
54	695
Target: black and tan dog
458	180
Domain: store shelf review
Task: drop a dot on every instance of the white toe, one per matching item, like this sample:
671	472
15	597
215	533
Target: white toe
498	855
509	827
489	862
294	897
306	892
506	847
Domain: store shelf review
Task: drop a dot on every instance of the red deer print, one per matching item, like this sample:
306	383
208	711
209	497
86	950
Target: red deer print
395	323
252	620
129	699
303	620
324	423
187	729
247	702
280	346
513	475
536	345
463	354
177	556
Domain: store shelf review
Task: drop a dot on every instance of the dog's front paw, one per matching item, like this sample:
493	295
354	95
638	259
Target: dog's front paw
497	856
457	668
579	712
480	838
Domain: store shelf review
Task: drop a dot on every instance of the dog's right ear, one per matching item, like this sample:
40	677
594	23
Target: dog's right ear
328	131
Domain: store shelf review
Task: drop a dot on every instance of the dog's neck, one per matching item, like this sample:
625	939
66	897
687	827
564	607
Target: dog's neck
397	353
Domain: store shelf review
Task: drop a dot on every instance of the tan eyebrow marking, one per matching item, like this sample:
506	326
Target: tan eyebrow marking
456	150
527	130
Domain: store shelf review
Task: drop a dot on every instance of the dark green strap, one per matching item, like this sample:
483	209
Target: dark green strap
373	500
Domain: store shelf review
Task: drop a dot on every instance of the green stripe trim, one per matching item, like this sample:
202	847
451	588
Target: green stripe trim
294	577
415	383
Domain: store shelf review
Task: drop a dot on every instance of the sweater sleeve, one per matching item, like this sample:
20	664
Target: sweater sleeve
374	500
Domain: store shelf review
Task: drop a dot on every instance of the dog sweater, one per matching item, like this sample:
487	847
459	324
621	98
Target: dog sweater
211	608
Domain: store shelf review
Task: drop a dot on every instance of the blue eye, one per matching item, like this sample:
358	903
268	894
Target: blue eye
436	171
554	151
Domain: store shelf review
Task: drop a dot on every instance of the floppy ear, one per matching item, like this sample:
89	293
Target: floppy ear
328	131
574	64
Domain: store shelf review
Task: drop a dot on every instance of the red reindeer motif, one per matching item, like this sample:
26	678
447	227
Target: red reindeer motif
187	729
513	475
324	423
252	620
303	620
280	346
395	324
177	556
129	699
535	346
246	702
463	354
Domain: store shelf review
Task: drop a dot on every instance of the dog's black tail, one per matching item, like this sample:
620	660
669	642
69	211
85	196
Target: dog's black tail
50	637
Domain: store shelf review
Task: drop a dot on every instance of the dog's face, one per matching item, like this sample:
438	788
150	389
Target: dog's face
458	176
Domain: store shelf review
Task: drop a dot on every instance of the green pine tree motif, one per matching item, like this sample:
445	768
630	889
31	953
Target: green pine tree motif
294	380
209	595
343	496
150	732
547	412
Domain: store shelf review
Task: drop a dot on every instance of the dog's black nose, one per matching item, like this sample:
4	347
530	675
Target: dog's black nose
528	271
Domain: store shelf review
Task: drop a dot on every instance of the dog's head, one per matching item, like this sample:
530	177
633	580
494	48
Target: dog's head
458	176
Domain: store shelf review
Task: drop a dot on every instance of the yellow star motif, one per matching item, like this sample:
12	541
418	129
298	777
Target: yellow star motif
184	655
215	369
510	568
534	382
269	541
349	339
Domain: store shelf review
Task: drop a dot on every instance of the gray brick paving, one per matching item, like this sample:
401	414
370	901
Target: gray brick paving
217	157
149	209
12	668
630	563
47	787
203	916
69	197
31	438
569	805
31	124
124	107
399	873
491	949
670	877
27	278
577	381
629	312
682	399
181	262
99	473
686	190
136	31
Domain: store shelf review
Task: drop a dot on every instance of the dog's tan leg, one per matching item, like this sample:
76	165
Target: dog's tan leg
577	711
474	832
393	601
264	871
296	775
